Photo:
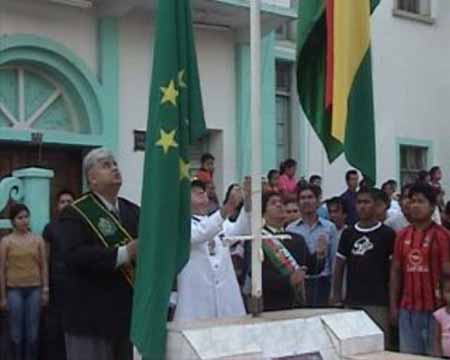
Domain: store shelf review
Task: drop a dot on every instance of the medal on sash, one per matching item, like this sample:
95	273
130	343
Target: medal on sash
108	230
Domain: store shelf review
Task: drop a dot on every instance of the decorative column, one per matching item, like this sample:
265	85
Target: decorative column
36	186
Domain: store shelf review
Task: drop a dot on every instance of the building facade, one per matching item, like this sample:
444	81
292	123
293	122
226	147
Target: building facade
411	74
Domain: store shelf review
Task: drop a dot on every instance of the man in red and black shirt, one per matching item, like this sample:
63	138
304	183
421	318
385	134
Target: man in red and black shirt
421	254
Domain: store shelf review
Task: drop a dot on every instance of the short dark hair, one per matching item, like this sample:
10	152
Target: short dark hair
392	182
316	190
422	176
405	189
380	195
15	209
336	201
434	170
426	190
350	173
366	190
198	184
272	173
266	198
314	178
302	183
65	192
207	156
289	163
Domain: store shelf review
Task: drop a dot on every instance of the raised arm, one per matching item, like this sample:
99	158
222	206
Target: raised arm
206	229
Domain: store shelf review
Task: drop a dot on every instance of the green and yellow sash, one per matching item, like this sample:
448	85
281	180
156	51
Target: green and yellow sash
107	228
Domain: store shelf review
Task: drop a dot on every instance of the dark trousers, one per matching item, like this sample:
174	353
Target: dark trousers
81	347
56	345
318	291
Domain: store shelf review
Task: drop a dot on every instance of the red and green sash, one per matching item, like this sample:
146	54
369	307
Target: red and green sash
108	230
278	255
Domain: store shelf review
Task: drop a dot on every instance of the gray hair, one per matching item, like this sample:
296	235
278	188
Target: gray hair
93	157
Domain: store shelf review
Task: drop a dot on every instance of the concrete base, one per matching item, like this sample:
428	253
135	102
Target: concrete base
305	334
333	334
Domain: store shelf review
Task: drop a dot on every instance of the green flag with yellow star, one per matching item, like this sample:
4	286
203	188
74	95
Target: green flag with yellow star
175	120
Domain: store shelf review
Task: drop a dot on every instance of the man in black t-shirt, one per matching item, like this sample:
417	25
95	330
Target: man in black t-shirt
365	250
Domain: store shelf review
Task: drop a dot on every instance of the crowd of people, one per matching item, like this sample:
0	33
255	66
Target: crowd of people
380	250
374	249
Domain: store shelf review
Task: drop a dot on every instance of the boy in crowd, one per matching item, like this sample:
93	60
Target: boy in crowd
364	251
421	255
337	215
382	204
316	230
349	196
206	172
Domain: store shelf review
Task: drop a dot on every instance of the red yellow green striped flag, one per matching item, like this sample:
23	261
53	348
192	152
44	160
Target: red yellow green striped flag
334	77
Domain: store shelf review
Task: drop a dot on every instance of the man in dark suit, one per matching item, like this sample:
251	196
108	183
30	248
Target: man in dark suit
100	249
54	240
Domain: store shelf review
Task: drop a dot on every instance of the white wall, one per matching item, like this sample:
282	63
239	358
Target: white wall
215	51
411	64
74	28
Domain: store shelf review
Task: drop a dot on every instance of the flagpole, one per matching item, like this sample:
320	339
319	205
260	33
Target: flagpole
255	114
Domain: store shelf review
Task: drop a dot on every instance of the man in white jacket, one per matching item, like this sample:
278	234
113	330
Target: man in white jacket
207	286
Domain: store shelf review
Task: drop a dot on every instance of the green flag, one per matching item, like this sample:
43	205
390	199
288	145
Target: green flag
175	120
334	77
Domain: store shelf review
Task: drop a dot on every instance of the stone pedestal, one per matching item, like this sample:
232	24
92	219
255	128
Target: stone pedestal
305	334
299	334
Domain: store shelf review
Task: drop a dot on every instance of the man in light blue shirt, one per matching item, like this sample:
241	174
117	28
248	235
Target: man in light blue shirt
316	230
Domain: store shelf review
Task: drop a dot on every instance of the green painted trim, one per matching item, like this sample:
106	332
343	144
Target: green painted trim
108	30
399	141
53	137
303	149
268	8
268	97
34	172
285	53
51	56
242	65
268	111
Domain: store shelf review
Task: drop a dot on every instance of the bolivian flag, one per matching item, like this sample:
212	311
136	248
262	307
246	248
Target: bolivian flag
334	78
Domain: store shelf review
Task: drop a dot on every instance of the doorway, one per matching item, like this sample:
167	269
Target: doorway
66	162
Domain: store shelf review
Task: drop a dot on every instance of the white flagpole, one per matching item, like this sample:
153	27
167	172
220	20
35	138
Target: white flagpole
255	114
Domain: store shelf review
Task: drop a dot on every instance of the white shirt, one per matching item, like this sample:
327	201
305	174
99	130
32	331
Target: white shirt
207	285
398	221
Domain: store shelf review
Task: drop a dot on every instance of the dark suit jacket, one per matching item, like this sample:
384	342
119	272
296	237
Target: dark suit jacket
97	298
277	290
54	236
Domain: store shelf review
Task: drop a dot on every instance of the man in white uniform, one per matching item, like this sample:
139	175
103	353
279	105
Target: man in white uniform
207	286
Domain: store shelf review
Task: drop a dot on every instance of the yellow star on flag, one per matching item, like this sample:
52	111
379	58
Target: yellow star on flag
181	82
170	94
184	170
167	140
